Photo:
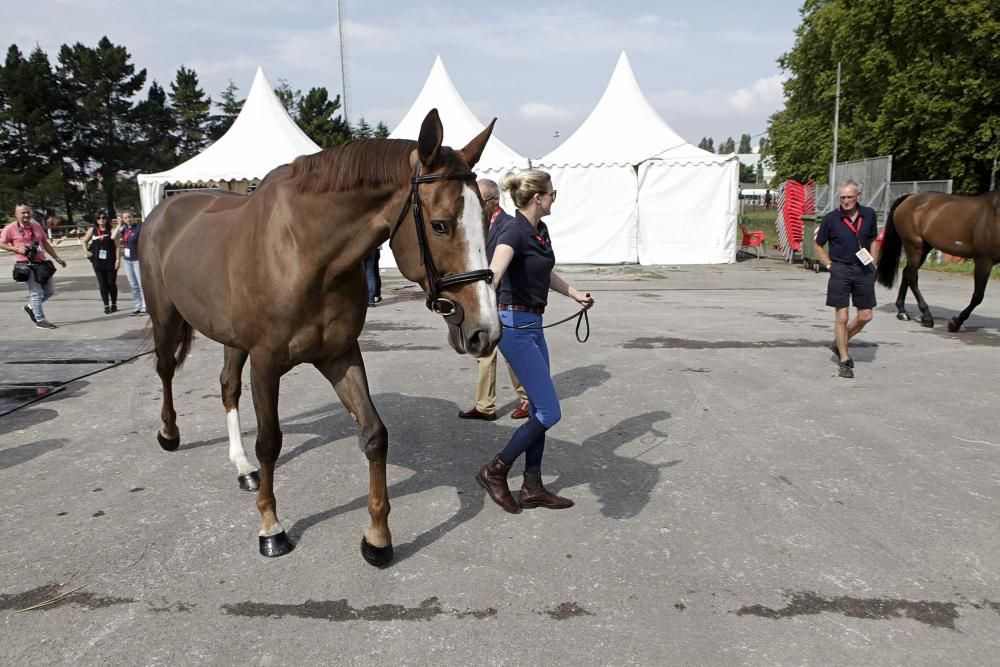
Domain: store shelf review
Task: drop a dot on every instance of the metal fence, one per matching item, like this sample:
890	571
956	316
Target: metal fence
873	175
878	190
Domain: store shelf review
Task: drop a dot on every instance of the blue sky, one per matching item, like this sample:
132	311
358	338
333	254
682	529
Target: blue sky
708	67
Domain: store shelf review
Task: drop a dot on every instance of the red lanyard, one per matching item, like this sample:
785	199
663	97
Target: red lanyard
856	232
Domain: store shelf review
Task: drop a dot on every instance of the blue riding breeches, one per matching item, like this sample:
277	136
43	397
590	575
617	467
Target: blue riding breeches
526	352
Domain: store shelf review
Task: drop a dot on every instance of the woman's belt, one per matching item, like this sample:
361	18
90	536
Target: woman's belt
538	310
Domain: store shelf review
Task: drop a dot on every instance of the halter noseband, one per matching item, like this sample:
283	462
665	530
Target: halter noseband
435	281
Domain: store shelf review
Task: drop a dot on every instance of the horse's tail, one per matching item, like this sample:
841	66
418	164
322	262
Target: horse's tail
187	335
892	248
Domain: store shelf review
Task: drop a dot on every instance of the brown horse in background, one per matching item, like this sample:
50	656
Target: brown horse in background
961	226
277	277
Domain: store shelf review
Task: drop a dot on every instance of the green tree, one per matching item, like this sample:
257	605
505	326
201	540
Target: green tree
156	145
727	146
289	98
382	130
363	130
923	89
744	144
229	106
31	166
317	116
98	85
707	144
190	108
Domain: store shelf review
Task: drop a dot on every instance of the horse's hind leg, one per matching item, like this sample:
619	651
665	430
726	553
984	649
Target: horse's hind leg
265	378
168	333
982	276
904	284
231	380
914	260
347	375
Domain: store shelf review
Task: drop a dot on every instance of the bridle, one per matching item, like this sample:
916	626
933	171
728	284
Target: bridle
435	281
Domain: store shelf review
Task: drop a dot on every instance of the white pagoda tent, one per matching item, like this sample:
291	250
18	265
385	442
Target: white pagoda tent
460	124
632	190
262	137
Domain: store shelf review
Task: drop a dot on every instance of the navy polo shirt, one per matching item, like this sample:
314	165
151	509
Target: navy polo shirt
527	279
843	240
491	238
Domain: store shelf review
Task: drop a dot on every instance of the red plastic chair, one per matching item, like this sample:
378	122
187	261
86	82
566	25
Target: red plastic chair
753	239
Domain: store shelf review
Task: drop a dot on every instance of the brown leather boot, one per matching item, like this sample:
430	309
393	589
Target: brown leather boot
493	478
533	494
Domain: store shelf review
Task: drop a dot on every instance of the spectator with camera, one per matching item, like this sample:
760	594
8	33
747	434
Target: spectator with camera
27	240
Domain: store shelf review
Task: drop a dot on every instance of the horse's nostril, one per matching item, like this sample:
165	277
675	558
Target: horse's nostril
479	343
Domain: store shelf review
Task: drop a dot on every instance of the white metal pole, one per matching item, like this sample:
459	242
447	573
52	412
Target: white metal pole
343	62
836	127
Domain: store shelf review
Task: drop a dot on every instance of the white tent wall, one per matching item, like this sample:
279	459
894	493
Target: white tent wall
687	212
593	219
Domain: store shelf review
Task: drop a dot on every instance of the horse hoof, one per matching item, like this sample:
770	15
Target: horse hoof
903	317
953	325
927	323
249	481
273	546
377	556
168	444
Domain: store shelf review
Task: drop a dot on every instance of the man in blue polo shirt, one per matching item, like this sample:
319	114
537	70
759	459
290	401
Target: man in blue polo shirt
849	230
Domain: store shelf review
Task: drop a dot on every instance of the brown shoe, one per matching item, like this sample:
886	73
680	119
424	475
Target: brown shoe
533	494
493	478
521	411
476	413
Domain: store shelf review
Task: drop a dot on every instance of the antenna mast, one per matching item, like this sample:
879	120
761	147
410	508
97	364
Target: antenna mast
343	61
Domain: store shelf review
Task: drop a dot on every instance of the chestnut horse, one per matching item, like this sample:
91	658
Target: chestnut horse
277	277
962	226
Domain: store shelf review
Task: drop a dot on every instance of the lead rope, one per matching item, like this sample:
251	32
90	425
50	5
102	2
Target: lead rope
581	319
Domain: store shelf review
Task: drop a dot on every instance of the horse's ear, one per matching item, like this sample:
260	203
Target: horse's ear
474	149
431	136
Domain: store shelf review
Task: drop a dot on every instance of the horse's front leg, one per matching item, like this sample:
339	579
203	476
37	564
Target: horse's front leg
265	378
347	375
231	380
982	276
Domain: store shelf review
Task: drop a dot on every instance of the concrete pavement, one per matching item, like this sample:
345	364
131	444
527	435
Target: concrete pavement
737	502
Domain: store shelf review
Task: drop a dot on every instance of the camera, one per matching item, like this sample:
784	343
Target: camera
31	251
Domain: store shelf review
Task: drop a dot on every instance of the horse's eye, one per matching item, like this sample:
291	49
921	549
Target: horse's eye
439	227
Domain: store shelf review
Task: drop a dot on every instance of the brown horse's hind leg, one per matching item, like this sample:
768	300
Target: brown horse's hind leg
982	276
914	260
347	375
168	335
265	380
231	380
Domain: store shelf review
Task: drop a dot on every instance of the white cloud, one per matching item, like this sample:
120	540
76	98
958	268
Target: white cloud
765	93
539	111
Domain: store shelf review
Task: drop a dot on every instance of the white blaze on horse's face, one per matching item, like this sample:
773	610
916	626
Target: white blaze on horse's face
475	240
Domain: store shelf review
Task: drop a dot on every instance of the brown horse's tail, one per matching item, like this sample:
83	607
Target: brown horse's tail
892	248
187	335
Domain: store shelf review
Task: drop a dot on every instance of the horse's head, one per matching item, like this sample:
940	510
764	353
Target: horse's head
440	239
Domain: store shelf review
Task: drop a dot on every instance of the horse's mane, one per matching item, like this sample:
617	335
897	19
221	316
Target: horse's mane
364	163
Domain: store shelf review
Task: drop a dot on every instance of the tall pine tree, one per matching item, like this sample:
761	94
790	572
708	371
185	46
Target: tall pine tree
229	106
190	108
99	84
156	148
31	166
317	116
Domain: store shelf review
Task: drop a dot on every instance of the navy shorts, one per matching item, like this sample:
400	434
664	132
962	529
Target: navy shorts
851	283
